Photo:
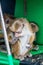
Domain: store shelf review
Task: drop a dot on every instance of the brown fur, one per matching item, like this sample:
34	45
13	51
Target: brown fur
16	45
15	49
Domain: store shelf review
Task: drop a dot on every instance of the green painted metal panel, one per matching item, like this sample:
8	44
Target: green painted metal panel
19	9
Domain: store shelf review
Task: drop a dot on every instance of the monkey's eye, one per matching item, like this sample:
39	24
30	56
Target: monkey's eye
7	21
10	37
18	32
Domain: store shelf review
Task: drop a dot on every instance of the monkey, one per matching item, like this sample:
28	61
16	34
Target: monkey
25	32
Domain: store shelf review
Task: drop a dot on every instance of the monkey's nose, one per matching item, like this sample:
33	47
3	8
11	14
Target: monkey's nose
16	34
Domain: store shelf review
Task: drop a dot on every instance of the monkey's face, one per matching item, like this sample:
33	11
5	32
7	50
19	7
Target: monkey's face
17	27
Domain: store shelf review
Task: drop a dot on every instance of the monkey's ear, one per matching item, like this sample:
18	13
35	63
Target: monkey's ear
6	16
35	28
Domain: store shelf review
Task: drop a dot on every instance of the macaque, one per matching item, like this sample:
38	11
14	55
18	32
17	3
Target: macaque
25	34
8	19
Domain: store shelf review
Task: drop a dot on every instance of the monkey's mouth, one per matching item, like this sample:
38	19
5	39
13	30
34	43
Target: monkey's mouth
18	32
